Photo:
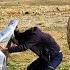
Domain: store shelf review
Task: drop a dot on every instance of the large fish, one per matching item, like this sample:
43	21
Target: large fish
5	36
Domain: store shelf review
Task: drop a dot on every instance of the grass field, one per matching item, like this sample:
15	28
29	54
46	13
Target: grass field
49	15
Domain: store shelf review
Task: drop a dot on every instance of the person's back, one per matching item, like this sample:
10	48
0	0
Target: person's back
42	44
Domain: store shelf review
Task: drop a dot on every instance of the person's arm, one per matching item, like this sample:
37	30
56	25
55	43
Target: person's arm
13	46
16	48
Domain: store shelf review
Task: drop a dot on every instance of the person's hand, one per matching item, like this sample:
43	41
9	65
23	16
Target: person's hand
2	47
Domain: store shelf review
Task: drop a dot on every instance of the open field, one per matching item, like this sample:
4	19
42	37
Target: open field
49	15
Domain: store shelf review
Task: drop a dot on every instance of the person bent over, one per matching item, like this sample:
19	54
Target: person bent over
40	43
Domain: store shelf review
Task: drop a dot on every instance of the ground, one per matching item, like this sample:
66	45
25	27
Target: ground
49	15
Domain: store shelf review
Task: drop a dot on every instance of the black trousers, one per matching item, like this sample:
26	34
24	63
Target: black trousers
39	64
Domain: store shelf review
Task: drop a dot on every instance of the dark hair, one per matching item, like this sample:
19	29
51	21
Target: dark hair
24	36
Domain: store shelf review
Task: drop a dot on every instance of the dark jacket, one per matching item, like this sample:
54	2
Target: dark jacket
39	42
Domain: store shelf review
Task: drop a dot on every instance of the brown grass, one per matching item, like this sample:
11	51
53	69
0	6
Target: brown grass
49	16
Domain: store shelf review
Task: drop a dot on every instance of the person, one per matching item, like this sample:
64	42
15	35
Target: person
43	44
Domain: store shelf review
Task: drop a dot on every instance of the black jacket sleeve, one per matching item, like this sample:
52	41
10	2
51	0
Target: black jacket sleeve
16	48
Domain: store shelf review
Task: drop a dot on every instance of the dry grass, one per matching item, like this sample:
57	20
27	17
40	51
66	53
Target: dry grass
49	16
